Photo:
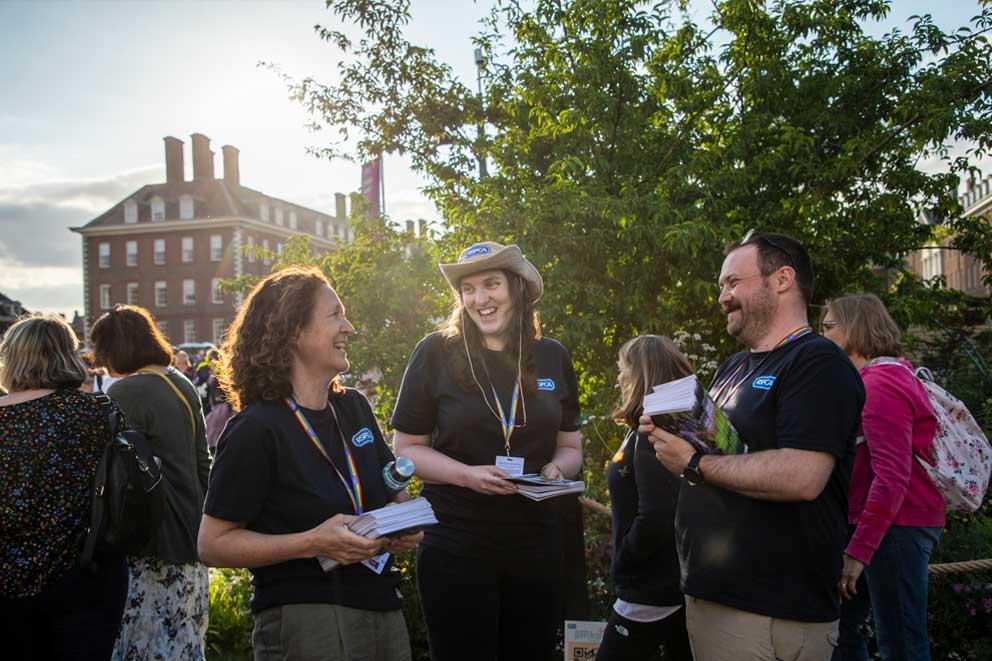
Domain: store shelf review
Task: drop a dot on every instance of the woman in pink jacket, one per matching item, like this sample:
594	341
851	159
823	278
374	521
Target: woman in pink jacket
894	510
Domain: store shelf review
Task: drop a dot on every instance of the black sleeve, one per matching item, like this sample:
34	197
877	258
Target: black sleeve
242	474
657	497
202	455
416	407
570	401
382	448
820	405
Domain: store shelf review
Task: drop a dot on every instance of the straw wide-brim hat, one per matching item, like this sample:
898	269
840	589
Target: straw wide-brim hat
490	255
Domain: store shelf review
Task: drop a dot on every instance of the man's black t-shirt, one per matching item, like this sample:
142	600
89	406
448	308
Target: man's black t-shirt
780	559
269	475
431	402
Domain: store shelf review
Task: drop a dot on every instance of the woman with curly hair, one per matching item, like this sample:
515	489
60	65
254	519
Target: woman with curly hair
293	467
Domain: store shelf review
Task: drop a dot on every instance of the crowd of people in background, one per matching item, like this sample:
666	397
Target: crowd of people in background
779	552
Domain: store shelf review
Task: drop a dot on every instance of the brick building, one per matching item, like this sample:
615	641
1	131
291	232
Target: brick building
168	245
961	271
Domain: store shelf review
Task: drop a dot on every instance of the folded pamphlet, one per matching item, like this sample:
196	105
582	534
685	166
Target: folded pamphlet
538	487
392	521
684	407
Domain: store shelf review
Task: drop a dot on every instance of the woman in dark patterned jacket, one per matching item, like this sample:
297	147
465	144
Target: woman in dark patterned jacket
51	439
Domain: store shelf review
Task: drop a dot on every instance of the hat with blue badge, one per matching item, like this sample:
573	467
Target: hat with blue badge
490	255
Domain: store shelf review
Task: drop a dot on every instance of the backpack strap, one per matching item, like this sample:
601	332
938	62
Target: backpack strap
179	394
99	483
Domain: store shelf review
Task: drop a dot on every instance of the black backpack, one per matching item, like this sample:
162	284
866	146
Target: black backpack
128	495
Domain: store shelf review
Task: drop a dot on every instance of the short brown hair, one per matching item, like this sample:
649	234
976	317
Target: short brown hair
125	339
653	359
40	351
871	331
257	355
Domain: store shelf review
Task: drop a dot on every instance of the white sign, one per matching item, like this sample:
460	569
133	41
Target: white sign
582	639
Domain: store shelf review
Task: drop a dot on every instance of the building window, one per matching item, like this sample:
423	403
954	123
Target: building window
105	297
263	212
105	255
189	330
132	293
318	228
279	220
158	209
218	331
189	292
185	207
216	247
187	249
341	229
216	295
251	250
279	249
267	258
132	253
161	299
932	263
159	252
130	212
293	224
163	328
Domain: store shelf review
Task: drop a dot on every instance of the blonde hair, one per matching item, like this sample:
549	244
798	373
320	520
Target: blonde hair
40	352
652	360
871	332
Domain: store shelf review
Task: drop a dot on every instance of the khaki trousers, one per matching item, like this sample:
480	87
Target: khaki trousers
327	632
722	633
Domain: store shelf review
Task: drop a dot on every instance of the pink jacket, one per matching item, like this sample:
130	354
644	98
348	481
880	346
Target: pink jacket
888	485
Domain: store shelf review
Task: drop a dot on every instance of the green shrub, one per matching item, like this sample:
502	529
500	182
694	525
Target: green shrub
229	634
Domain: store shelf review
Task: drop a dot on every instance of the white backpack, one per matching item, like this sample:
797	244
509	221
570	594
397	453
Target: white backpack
960	461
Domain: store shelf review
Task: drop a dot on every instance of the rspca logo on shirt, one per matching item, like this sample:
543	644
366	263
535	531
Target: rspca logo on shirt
477	249
362	437
546	384
763	383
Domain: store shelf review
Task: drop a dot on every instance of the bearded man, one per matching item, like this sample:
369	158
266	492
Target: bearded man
761	534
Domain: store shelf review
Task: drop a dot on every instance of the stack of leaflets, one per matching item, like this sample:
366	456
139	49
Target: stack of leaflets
538	487
392	521
685	408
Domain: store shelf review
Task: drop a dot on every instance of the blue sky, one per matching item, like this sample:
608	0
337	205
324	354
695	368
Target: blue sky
91	88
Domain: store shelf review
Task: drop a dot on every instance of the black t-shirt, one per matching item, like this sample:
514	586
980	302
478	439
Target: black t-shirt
431	402
780	559
269	475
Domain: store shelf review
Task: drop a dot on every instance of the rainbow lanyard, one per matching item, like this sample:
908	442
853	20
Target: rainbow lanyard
794	335
352	488
721	398
508	423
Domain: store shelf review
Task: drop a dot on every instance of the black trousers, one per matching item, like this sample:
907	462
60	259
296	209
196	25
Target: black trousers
625	639
76	618
489	611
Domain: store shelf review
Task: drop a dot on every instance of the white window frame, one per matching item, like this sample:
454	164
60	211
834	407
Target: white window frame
189	330
279	218
216	296
130	212
218	331
158	209
161	293
132	293
159	256
293	222
267	259
189	291
216	247
251	250
263	212
131	256
104	297
318	228
104	252
188	251
186	210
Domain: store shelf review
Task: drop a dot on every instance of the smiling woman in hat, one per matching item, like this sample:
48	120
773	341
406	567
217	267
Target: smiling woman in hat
484	398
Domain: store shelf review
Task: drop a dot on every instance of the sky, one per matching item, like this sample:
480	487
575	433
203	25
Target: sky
91	88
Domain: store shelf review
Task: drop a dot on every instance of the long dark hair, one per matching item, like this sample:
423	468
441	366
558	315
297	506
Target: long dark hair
524	320
652	359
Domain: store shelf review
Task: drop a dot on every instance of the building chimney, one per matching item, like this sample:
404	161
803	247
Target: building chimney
422	228
203	158
232	174
340	210
174	160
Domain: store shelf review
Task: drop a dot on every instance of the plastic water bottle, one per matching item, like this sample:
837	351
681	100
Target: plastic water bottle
397	474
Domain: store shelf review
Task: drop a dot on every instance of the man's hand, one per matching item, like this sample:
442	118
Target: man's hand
672	451
334	540
848	583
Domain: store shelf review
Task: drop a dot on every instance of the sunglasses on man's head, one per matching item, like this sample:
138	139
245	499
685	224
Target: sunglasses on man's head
753	236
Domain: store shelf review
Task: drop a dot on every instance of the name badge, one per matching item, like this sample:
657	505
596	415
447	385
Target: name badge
512	466
377	562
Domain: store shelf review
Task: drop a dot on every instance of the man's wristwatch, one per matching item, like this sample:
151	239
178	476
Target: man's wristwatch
691	472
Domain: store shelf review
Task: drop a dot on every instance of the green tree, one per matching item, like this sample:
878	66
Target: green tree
627	143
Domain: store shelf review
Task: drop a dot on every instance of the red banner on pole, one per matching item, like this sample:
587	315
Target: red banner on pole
372	185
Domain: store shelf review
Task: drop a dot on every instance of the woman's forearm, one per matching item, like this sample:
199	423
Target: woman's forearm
431	465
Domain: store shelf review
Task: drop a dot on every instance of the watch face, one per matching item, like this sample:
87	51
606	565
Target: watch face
692	476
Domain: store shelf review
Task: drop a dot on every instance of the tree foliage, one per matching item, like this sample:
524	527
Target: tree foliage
627	143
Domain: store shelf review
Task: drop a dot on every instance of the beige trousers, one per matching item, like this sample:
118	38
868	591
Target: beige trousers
722	633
